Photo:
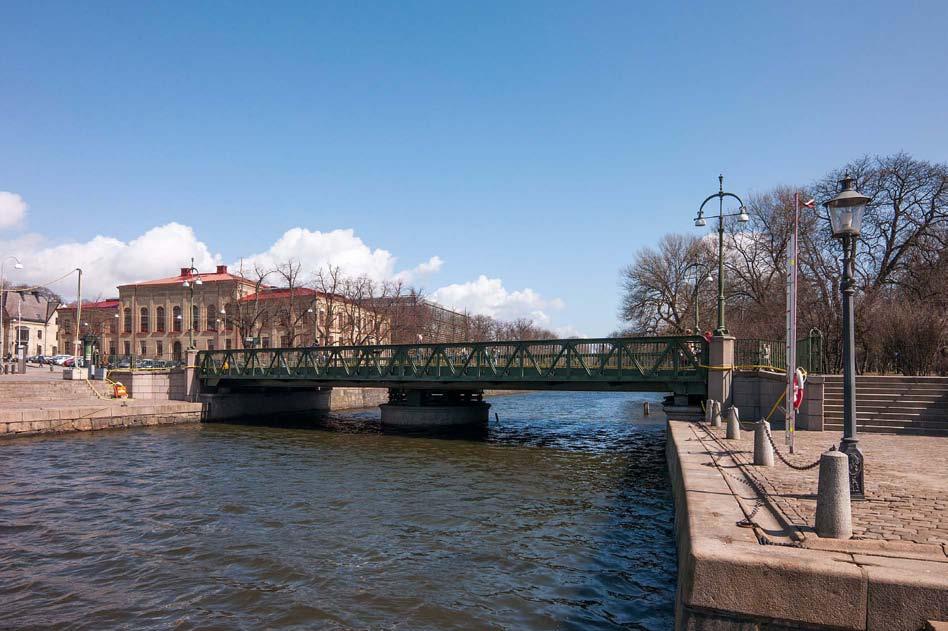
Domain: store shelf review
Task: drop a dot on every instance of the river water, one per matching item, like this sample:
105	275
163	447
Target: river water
560	517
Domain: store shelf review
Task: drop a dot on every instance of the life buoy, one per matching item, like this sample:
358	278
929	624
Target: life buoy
799	380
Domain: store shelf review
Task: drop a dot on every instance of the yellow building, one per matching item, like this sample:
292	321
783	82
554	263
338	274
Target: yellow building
162	318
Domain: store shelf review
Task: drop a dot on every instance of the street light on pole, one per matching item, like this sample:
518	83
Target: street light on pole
845	214
190	287
700	222
3	304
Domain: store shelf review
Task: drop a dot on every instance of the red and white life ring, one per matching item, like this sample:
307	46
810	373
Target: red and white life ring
799	380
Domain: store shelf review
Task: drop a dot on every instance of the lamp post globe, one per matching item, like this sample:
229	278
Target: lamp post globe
846	211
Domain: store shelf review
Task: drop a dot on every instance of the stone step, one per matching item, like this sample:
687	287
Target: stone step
905	429
887	406
894	415
894	422
928	391
888	379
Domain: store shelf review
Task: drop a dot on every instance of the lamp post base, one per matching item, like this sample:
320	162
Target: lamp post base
856	469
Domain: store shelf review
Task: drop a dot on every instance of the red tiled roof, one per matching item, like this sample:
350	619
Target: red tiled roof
111	303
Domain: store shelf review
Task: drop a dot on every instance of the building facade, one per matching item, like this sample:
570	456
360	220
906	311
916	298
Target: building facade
162	318
29	320
99	318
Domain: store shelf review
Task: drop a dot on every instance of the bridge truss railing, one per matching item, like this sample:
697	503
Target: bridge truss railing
659	359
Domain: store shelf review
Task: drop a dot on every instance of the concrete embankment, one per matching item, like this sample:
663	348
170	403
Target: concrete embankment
775	573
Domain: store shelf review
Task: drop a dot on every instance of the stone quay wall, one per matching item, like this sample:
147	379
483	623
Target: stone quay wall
776	575
754	393
84	418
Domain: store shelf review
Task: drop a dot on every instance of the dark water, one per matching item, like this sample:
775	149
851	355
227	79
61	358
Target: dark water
561	518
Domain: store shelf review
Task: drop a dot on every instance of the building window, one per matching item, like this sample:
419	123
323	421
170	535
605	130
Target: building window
265	343
284	341
67	327
127	320
210	345
112	324
39	335
159	348
160	319
228	344
112	348
143	347
143	324
176	351
127	347
211	324
196	318
176	319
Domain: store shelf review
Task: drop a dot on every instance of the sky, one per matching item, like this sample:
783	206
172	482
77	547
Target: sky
508	157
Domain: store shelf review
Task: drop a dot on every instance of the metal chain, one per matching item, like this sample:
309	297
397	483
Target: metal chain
760	494
784	460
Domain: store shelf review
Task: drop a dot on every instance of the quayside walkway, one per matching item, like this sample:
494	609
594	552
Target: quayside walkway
749	554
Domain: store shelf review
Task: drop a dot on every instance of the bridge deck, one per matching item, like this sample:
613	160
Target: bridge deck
675	364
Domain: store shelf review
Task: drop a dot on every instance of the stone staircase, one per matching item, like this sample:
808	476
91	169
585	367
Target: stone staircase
890	405
44	390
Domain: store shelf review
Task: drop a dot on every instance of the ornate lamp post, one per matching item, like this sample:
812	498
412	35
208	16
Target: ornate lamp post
845	214
700	222
190	287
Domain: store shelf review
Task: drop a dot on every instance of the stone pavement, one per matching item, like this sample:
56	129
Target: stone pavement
906	483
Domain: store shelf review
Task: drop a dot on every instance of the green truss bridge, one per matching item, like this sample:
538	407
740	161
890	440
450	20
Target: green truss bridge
653	364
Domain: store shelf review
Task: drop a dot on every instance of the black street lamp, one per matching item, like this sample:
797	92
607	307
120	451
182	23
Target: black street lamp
190	286
700	222
845	213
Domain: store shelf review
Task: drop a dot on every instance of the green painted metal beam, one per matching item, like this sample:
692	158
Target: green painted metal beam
669	363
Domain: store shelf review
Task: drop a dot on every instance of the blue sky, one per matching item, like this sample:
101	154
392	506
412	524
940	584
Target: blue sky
536	144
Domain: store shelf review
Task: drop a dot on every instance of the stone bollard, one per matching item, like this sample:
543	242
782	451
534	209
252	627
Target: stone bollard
834	517
733	424
708	411
645	409
763	450
716	418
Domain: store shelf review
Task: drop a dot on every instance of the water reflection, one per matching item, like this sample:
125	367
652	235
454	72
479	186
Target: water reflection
560	517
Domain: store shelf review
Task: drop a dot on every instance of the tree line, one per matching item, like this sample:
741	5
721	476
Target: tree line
901	270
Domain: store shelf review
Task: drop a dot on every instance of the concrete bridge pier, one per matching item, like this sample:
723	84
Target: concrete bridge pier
435	409
265	403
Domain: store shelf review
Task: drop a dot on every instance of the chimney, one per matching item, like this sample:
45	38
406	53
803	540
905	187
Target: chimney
221	269
185	272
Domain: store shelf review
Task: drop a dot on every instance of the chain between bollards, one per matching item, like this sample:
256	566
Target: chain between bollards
784	460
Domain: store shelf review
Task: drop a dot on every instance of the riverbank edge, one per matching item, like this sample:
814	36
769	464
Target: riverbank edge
38	422
111	414
728	580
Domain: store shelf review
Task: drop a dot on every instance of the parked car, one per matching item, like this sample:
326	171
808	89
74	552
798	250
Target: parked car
60	359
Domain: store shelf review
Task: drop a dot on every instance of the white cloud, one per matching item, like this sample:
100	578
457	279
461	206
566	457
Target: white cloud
567	331
430	266
488	296
160	252
107	262
12	209
317	250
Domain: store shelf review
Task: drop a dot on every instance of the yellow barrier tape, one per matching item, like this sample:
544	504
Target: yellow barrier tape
744	367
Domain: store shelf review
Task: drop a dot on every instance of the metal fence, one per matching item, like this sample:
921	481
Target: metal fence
751	354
